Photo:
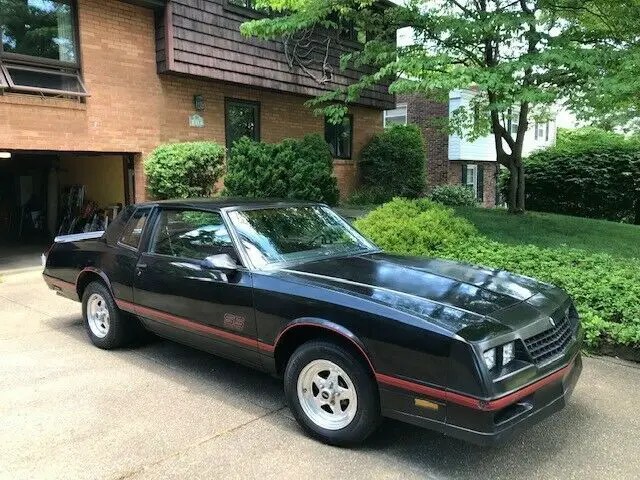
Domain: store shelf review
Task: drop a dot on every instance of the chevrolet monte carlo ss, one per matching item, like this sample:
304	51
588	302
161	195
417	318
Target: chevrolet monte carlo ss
292	289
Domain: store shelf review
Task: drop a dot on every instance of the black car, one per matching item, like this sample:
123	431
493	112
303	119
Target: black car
292	289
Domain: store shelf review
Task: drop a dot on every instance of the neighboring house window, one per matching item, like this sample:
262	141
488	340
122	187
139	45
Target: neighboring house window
473	178
513	122
542	131
339	137
242	119
397	116
39	47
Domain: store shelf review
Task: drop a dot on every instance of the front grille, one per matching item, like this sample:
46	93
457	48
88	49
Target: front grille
551	342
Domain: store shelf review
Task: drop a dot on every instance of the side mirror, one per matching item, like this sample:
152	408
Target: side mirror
222	261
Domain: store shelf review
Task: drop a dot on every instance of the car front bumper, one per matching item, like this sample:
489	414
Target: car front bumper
486	427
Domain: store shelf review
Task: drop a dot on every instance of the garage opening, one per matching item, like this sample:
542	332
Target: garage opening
43	195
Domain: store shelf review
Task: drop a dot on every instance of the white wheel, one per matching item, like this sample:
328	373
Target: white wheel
327	395
98	315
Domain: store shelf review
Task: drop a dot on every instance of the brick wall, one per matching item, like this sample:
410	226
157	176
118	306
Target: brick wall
118	63
490	170
132	109
281	116
426	113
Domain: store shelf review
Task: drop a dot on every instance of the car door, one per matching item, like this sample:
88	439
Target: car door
120	258
179	296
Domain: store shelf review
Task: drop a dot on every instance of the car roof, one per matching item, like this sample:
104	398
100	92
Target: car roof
228	202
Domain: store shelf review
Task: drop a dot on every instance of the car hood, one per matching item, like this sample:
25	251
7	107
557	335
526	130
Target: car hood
453	294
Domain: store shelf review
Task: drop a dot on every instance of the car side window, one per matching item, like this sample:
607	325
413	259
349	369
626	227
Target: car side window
115	228
191	234
133	231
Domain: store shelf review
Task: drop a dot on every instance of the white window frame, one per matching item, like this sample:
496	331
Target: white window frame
386	115
513	123
474	182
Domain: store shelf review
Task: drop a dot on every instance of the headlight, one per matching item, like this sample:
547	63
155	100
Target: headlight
508	352
490	358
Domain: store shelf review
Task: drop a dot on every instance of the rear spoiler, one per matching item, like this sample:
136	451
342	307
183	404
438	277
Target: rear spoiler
78	236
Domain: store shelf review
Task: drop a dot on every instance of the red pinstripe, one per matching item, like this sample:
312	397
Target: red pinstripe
433	392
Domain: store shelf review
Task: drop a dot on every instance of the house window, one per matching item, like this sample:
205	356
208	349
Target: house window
339	136
396	116
542	131
242	119
473	178
38	47
513	122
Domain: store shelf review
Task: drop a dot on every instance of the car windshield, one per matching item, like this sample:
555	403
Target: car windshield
295	234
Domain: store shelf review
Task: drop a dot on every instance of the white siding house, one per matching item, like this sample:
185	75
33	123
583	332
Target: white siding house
483	149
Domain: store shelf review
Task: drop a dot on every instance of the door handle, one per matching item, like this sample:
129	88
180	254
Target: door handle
140	267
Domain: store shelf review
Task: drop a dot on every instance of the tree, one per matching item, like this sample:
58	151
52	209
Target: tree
520	56
612	29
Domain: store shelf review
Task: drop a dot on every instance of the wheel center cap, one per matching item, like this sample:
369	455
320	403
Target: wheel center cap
325	394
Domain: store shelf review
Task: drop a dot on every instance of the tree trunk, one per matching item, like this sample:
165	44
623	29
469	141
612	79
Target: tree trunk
520	197
515	200
512	200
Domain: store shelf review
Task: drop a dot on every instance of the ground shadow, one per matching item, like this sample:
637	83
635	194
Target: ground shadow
428	453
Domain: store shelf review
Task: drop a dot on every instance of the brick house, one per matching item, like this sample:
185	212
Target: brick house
88	88
455	160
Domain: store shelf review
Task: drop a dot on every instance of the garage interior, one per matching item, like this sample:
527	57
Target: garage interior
45	194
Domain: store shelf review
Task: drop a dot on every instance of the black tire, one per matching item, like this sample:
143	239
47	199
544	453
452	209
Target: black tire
121	329
367	416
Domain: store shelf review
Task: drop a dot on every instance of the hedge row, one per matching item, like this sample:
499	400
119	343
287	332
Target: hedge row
589	173
606	290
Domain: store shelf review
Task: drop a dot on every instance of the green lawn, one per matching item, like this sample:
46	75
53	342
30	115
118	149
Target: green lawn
550	230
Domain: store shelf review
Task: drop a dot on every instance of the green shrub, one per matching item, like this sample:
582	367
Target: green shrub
605	289
184	170
453	196
596	183
292	169
369	196
588	138
415	227
590	173
395	161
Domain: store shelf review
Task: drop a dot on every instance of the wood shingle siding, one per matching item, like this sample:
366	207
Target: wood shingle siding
202	38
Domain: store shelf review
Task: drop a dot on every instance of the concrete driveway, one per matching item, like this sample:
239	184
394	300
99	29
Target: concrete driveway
70	410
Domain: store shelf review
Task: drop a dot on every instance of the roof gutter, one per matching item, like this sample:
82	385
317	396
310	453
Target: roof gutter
153	4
